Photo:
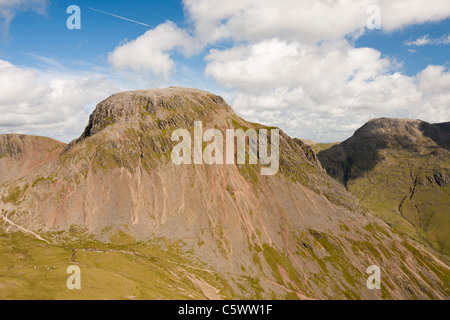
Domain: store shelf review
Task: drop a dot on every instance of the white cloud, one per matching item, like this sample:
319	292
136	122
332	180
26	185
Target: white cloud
17	85
255	21
400	13
53	105
10	8
422	41
325	91
426	40
151	51
434	82
268	64
307	21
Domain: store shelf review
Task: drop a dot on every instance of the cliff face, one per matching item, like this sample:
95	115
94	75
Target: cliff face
296	234
400	169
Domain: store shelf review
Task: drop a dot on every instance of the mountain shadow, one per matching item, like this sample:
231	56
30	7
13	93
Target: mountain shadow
439	133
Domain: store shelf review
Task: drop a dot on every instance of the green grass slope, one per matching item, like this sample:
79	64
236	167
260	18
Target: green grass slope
400	170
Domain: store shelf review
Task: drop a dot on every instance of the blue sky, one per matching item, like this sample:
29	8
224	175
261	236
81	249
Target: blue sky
48	36
393	45
314	70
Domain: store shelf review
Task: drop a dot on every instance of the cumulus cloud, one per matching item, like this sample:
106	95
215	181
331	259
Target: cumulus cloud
151	51
307	20
10	8
17	85
433	83
254	21
400	13
316	68
54	105
327	90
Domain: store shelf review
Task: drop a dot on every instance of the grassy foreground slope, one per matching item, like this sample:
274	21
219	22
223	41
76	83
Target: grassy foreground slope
126	269
33	269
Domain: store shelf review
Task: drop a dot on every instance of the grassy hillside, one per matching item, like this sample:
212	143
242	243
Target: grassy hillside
33	269
160	269
400	170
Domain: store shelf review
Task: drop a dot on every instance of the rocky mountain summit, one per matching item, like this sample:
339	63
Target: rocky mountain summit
205	231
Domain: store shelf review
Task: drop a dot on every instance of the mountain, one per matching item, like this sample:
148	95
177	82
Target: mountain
318	147
400	169
140	226
20	154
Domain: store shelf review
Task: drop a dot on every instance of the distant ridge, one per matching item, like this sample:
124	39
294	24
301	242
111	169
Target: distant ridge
399	168
21	153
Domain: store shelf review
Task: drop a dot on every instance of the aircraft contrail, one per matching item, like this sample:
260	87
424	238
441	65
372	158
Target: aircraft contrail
113	15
